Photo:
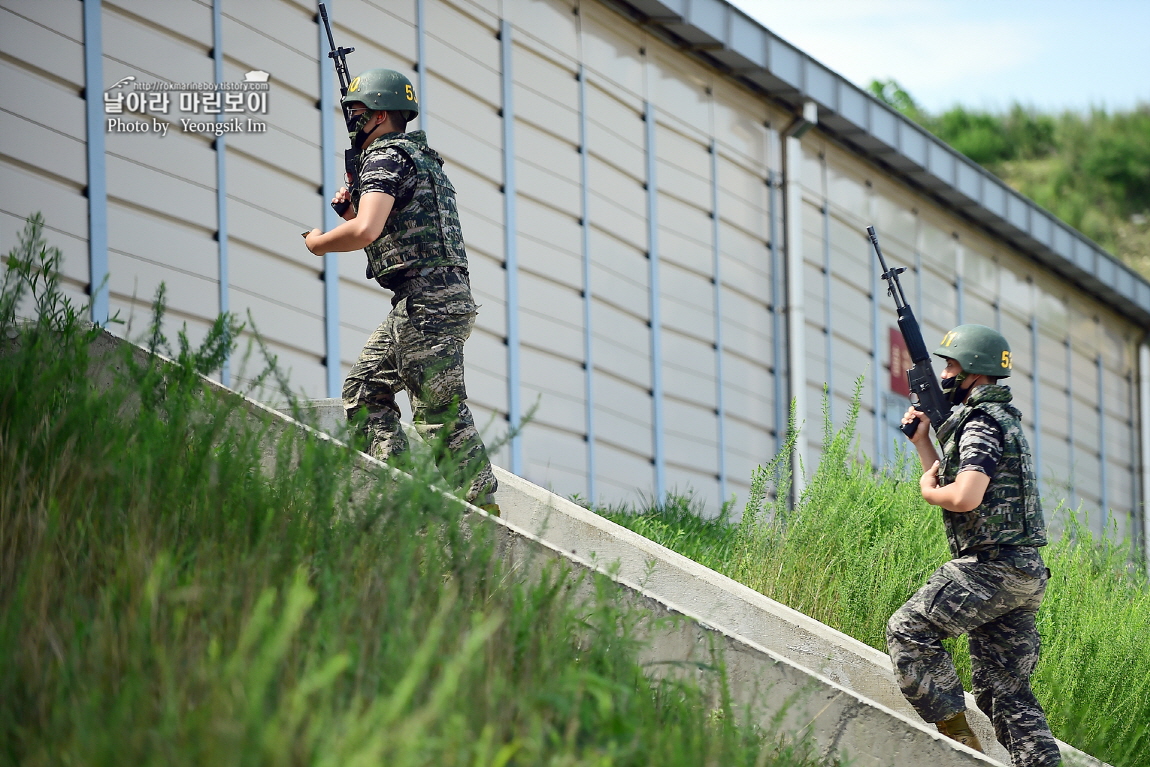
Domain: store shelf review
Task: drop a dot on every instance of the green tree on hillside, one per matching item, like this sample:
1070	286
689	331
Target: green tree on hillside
1092	170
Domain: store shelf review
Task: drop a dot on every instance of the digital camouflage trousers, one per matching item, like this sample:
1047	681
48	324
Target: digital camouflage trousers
996	605
419	348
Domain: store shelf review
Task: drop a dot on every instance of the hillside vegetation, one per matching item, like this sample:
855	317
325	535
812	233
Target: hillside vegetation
171	593
1091	169
859	543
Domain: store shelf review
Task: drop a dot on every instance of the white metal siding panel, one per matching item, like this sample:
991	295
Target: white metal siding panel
552	22
42	132
554	459
551	316
611	49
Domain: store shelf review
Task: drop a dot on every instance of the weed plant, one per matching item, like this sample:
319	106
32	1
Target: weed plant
179	584
859	542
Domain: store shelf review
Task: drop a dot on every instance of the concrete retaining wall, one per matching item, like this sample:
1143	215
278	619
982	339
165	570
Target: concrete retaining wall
715	598
834	689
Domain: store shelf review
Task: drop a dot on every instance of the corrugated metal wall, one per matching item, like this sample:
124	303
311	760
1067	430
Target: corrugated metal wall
637	301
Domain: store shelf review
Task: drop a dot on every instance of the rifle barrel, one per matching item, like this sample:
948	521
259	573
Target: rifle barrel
337	55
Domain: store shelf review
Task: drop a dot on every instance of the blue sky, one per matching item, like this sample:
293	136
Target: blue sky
1054	55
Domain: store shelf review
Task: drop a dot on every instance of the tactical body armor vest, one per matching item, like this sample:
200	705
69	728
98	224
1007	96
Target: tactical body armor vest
424	233
1011	511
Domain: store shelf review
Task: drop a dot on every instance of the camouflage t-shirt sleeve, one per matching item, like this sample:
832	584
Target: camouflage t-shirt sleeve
391	172
980	445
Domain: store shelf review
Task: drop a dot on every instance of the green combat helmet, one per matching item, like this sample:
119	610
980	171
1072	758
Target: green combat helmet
383	90
978	349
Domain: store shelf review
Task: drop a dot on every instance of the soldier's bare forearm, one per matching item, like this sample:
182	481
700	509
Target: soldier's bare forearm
350	235
927	455
962	495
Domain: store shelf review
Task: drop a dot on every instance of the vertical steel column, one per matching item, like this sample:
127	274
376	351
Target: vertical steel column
1144	443
778	329
221	182
881	440
998	301
331	357
1036	387
1073	500
656	320
585	246
918	268
421	60
97	172
1104	498
510	251
717	280
960	267
828	339
796	300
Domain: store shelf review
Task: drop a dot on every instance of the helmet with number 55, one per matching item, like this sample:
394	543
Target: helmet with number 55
978	349
383	90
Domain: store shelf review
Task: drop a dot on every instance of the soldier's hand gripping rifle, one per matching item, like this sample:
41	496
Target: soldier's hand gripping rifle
339	57
925	393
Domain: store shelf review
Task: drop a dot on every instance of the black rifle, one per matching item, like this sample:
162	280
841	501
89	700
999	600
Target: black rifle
339	56
925	393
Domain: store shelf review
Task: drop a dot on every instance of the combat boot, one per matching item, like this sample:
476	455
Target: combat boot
488	504
957	728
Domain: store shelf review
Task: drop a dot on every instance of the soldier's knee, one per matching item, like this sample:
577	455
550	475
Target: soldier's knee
896	626
438	411
350	388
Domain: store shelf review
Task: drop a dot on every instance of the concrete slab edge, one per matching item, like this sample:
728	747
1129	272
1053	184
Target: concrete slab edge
862	727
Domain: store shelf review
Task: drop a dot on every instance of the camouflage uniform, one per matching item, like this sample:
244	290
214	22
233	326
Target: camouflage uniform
419	347
991	590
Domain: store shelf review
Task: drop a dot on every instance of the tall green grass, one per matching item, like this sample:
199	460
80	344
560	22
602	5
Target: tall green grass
180	586
859	542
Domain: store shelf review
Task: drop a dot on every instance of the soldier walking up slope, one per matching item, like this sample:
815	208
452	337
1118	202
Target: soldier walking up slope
403	214
991	589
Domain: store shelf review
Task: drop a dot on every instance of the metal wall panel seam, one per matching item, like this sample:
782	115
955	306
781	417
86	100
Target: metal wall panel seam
880	440
998	308
1104	494
796	318
332	355
1036	388
720	409
778	330
221	183
421	60
585	244
656	319
959	282
510	252
97	169
1070	416
1144	443
918	267
828	339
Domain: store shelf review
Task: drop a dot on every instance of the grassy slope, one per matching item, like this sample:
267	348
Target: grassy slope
859	543
168	597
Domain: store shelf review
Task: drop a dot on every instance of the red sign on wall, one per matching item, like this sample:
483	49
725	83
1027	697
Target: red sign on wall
900	362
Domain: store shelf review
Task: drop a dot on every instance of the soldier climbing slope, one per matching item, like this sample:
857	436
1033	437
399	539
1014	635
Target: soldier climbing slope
992	588
403	214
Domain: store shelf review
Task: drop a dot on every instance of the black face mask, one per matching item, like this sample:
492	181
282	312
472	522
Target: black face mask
355	129
950	387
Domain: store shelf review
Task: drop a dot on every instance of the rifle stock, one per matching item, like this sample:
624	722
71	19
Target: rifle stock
925	393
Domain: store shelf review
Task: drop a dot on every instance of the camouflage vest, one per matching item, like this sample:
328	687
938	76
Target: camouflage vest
425	232
1011	511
